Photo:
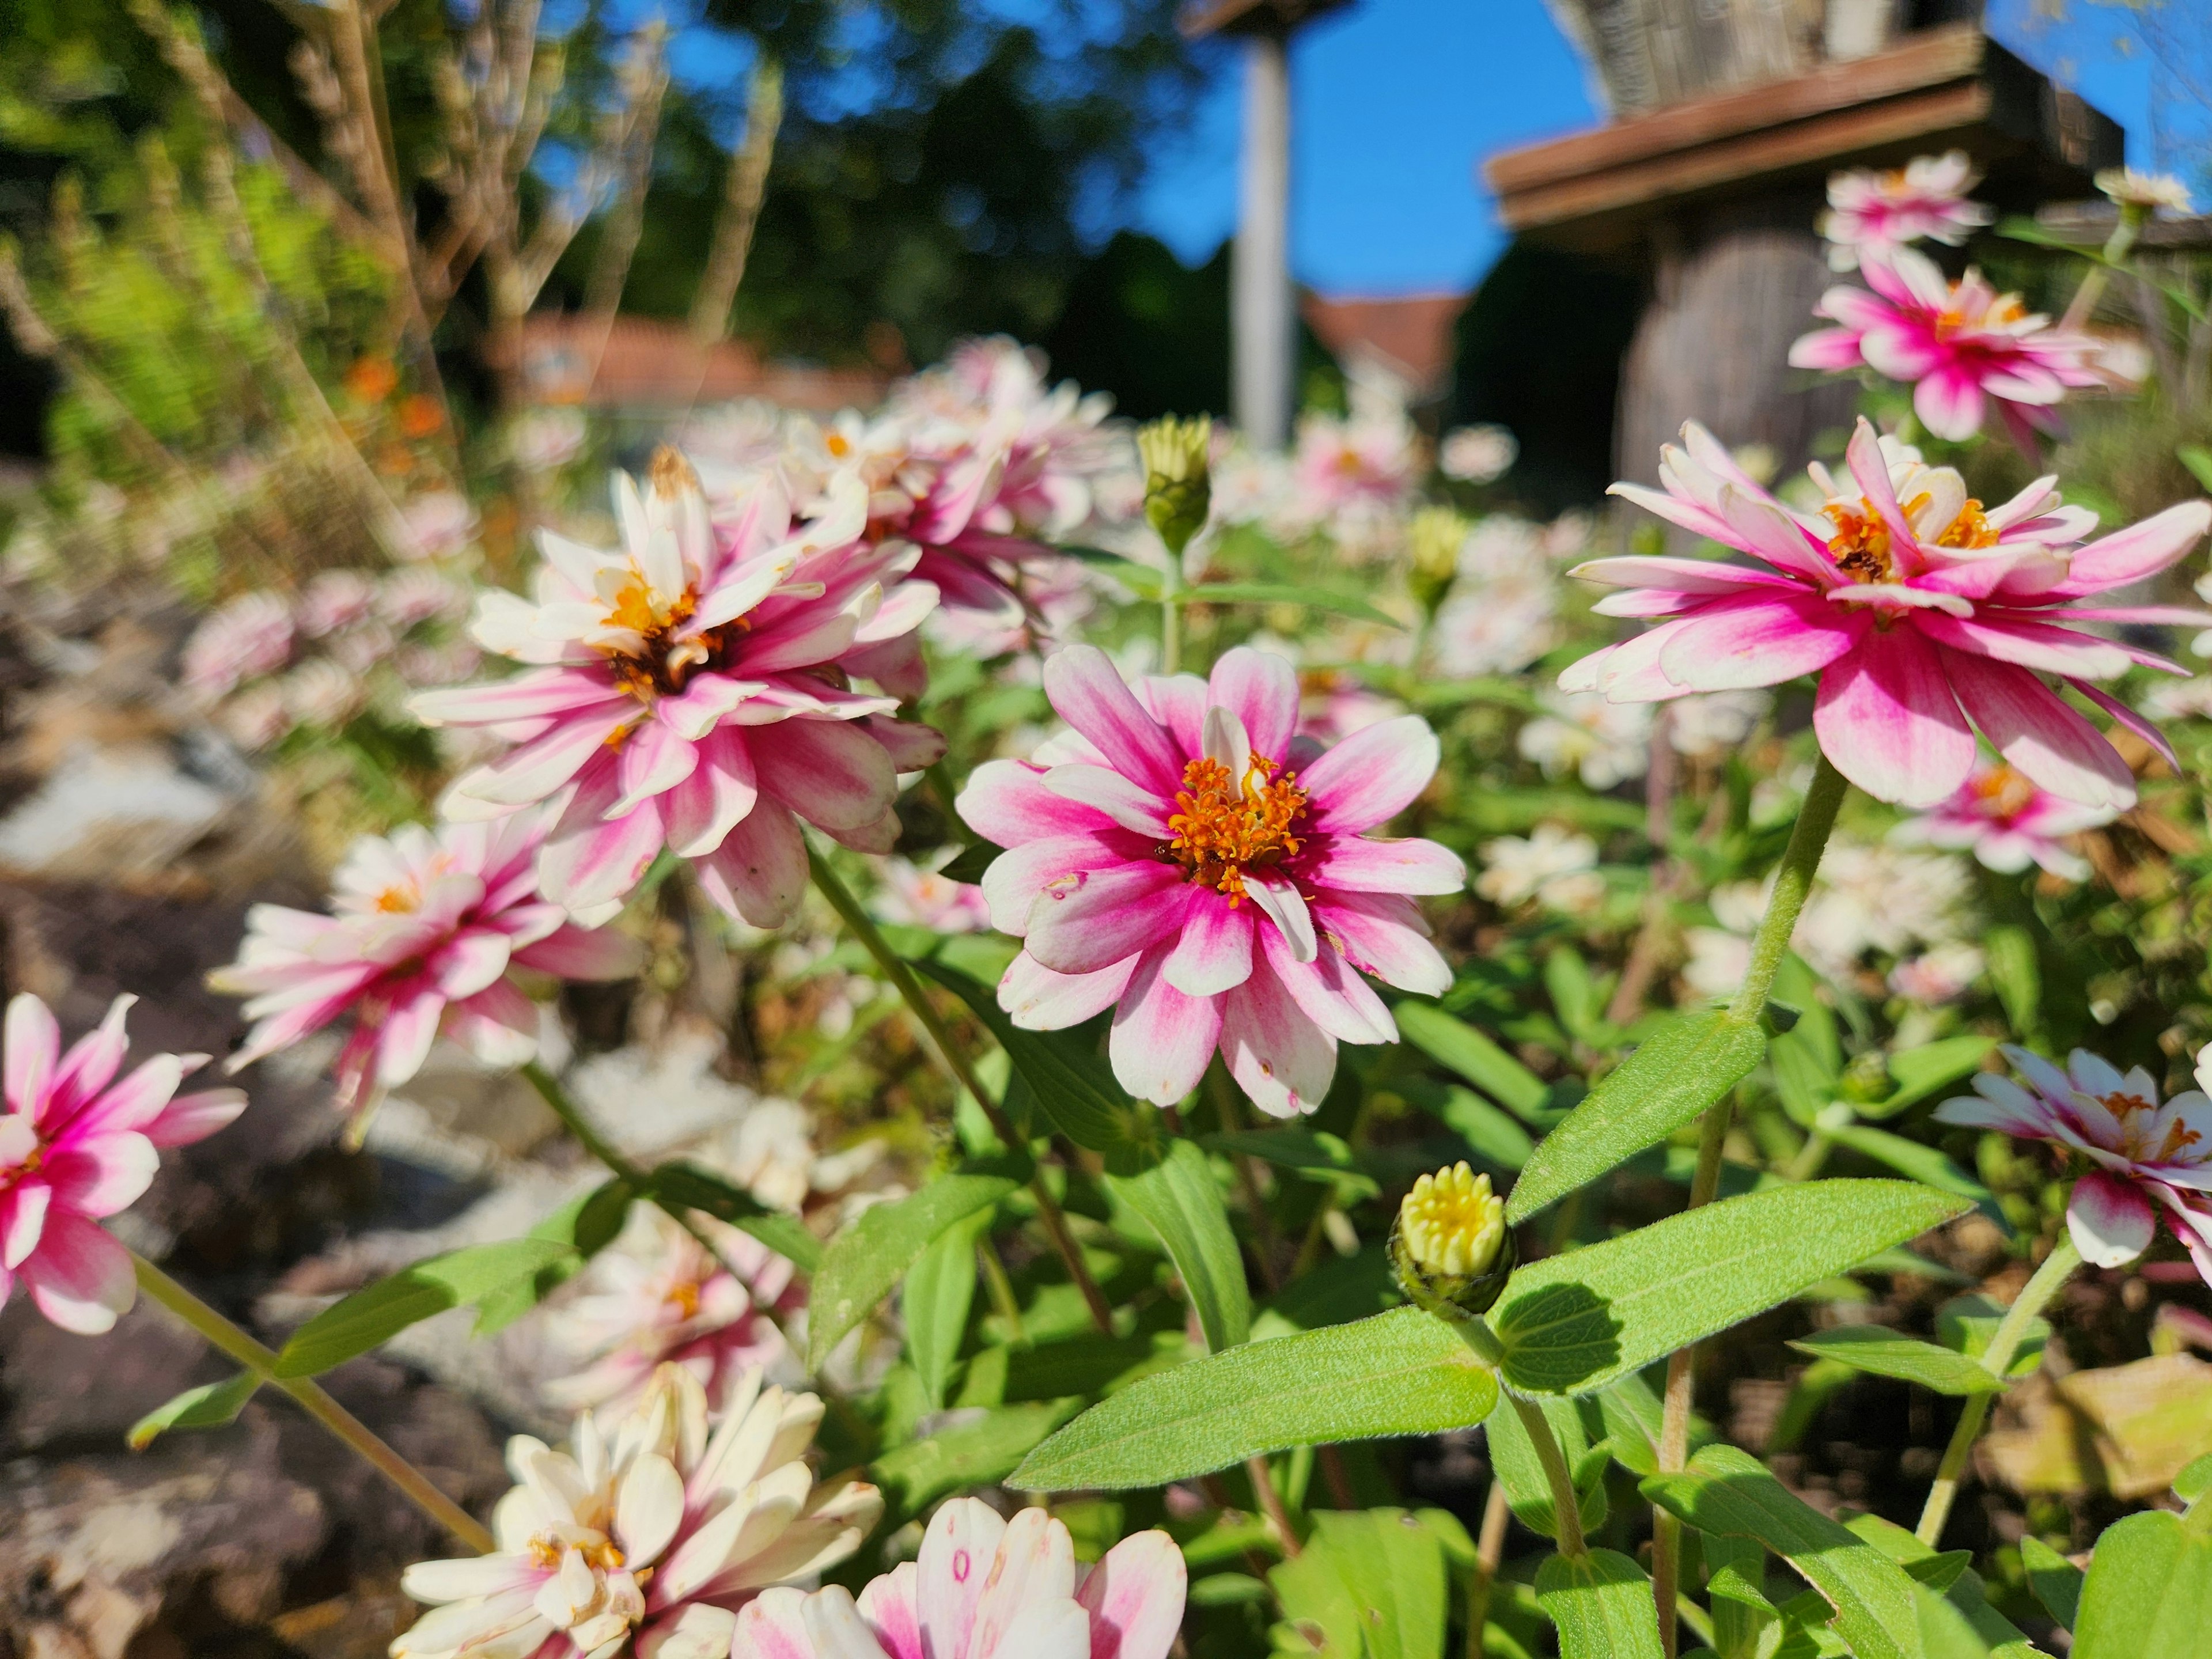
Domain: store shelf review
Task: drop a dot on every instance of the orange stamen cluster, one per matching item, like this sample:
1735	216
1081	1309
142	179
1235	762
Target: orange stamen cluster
2005	792
1860	546
1972	528
1224	827
2178	1140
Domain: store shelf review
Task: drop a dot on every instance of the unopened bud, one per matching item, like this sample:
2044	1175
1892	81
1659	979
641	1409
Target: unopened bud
1178	487
1450	1247
1435	535
672	475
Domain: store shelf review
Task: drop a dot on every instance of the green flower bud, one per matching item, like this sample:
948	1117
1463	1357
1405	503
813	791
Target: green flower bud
1435	535
1866	1079
1178	488
1450	1247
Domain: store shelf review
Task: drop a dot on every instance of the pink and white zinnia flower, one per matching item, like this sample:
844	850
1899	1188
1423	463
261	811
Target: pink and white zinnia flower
76	1146
1925	198
692	691
985	1587
1919	610
1183	854
429	930
646	1535
1961	346
2008	823
2147	1159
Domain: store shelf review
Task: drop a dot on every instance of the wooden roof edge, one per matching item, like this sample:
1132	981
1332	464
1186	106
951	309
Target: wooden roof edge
1930	59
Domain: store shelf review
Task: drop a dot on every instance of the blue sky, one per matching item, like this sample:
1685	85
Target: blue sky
1395	102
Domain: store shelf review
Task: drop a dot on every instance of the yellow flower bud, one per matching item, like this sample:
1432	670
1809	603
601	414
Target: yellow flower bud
1450	1247
1178	486
1435	536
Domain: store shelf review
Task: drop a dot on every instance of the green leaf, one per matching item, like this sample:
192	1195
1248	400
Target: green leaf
208	1407
2195	1480
1575	1323
1340	1289
1969	1323
1403	1372
1141	580
1321	1619
688	1187
976	1453
1601	1605
1313	599
2055	1581
1315	1154
1489	1134
380	1311
1075	1086
1521	1472
2199	460
1956	1620
933	1304
1909	1158
1921	1072
1454	1044
1886	1353
1675	1075
2026	230
587	1225
1577	998
968	865
2017	976
1180	1199
1729	1491
2148	1592
863	1261
1393	1569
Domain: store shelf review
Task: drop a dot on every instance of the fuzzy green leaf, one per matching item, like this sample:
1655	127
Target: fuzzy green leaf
1729	1491
1180	1200
2055	1581
934	1302
1887	1353
208	1407
2148	1592
1602	1606
380	1311
1575	1323
1393	1568
1920	1072
863	1261
1454	1044
688	1187
1402	1372
1670	1079
975	1454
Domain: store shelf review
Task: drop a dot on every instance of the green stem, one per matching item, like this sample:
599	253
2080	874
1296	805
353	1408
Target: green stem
1489	1552
1566	1506
1793	883
636	1175
314	1399
2057	1267
1171	616
954	1060
1001	1289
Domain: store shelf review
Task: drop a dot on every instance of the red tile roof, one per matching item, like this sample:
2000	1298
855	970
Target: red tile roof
1411	335
651	364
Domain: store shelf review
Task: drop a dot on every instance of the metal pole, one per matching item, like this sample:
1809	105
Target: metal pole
1262	321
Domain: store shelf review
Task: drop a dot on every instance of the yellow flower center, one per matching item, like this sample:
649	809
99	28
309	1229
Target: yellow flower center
1860	546
1225	827
2128	1109
2004	792
1972	528
1451	1223
600	1552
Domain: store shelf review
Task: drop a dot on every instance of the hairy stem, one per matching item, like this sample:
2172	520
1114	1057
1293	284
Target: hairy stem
954	1060
2057	1267
618	1163
1489	1552
1271	1504
1793	881
1566	1504
314	1399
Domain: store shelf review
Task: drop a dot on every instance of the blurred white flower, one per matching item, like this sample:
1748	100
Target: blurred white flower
408	597
548	438
923	898
1333	706
1477	454
1939	975
2175	700
1715	721
360	648
1605	743
1556	867
321	693
440	521
1502	610
332	600
251	635
255	717
2155	191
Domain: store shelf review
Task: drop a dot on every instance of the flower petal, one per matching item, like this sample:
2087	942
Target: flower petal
957	1553
1125	801
1261	689
1038	1000
2111	1220
80	1277
1278	1057
1371	776
1887	718
1161	1038
1135	1598
1363	865
1735	644
32	1043
1092	919
2027	723
828	772
1215	950
1088	692
758	874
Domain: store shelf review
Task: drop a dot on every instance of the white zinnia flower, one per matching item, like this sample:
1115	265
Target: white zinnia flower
646	1535
1554	866
1607	743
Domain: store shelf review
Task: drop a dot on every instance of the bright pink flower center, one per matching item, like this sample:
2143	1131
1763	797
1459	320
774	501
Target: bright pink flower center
1224	827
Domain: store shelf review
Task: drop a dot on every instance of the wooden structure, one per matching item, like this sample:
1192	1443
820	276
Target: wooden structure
1715	199
1263	324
